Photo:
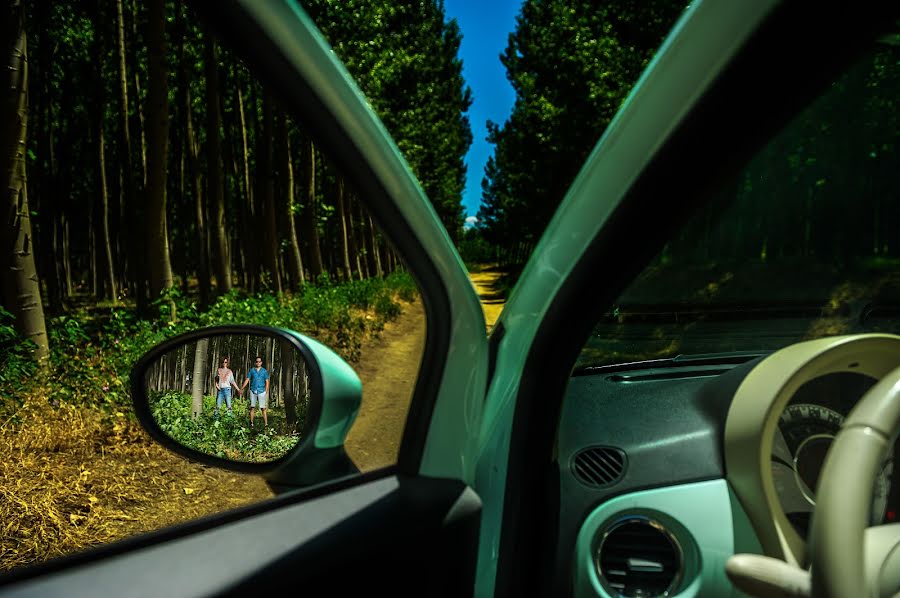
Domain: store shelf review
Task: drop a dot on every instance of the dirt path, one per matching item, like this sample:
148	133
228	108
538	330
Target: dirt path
492	302
387	369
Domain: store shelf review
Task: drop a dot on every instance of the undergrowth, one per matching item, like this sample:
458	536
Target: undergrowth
93	350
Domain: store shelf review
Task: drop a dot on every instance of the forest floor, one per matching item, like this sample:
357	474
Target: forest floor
72	478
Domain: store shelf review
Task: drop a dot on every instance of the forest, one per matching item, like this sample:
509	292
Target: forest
149	168
824	193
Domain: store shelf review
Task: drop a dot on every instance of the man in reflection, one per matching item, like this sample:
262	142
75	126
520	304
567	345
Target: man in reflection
258	379
224	382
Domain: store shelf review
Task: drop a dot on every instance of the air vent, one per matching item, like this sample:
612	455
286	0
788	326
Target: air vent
599	466
637	556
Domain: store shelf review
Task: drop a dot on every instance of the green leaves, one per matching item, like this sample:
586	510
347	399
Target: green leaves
404	57
571	65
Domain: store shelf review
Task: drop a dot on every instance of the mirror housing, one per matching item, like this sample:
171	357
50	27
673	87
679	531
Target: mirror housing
334	391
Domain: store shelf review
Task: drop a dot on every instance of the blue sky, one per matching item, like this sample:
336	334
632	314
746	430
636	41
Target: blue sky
485	26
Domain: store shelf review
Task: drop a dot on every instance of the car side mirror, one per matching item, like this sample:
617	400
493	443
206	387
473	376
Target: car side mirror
196	393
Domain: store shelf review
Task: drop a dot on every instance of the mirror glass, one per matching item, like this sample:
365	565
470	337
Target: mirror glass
242	397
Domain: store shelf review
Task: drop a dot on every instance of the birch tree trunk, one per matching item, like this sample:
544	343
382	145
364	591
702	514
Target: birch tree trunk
20	281
198	379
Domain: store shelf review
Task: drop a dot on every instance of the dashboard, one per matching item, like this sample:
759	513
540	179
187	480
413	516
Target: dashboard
665	469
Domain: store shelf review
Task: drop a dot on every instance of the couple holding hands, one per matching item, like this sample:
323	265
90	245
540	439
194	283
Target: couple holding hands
257	378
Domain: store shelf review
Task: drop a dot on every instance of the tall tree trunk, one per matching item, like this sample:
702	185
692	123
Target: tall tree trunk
286	174
360	216
310	214
267	184
157	145
343	246
138	109
22	291
352	234
104	265
372	253
128	190
199	382
215	193
247	216
45	169
195	174
106	255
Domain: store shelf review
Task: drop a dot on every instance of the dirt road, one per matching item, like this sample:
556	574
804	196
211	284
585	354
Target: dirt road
388	370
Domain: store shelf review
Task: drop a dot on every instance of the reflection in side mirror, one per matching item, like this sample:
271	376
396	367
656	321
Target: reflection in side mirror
238	396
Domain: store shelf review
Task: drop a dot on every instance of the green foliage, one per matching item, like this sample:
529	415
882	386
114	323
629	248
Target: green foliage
227	435
404	57
571	63
16	364
92	352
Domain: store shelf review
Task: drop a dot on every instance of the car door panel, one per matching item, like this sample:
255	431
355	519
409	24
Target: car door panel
392	534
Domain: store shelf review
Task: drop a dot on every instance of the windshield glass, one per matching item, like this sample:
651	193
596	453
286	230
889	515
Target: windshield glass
804	242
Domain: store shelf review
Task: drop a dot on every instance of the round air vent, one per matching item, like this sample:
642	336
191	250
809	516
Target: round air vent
599	466
637	556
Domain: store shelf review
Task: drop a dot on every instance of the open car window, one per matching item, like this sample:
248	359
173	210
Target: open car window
800	244
170	187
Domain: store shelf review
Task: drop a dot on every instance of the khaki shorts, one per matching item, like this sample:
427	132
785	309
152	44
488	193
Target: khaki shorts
258	398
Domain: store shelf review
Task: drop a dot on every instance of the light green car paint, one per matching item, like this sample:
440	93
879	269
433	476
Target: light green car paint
708	34
707	521
341	394
452	445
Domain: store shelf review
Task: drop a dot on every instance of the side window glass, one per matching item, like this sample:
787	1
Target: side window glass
159	186
799	245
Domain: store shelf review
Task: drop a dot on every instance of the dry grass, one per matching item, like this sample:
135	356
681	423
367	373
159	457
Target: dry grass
75	477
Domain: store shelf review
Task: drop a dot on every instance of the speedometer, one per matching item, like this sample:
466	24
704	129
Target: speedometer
804	435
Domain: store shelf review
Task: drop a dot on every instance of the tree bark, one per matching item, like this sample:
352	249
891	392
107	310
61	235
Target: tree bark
310	214
247	214
20	281
128	202
138	109
157	145
215	192
195	174
286	174
266	173
372	249
198	379
343	246
104	265
352	245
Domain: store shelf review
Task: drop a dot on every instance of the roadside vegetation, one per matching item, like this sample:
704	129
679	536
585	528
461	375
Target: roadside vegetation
77	468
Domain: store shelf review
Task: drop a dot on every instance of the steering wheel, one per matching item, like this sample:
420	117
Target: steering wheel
848	557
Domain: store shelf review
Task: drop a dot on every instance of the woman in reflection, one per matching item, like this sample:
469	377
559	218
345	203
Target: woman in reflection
224	382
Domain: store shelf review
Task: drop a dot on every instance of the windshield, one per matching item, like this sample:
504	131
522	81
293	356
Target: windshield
803	243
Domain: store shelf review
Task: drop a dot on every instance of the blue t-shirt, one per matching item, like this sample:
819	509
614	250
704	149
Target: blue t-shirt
258	379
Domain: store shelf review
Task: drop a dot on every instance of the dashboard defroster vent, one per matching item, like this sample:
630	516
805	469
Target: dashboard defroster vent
637	556
599	466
